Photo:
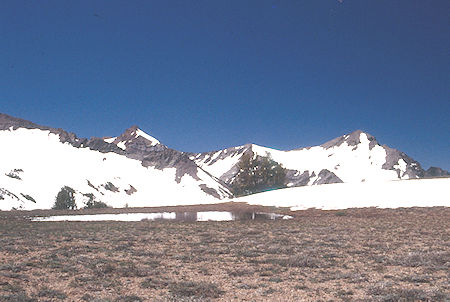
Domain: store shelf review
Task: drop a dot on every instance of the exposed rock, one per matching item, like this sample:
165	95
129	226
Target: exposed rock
296	179
209	191
154	154
15	173
436	172
352	139
137	147
131	190
326	177
393	156
5	193
9	122
110	187
6	122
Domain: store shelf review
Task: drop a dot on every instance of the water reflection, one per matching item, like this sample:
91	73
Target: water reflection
175	216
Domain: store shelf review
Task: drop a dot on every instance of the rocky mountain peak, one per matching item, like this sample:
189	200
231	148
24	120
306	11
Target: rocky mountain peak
7	121
131	129
352	139
436	172
133	134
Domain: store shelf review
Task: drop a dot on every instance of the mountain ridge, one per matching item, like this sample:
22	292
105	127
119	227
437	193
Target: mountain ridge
353	157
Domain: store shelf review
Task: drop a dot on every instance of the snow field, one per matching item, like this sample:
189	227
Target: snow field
382	194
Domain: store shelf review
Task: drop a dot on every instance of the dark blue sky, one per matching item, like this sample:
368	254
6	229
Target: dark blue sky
202	75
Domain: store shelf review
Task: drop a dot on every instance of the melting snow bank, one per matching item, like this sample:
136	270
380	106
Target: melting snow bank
183	216
110	217
390	194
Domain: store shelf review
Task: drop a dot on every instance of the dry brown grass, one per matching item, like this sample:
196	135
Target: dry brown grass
351	255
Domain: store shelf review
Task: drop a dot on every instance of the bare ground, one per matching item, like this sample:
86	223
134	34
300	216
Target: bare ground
348	255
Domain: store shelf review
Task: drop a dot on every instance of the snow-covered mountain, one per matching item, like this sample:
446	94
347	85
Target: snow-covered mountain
133	169
352	158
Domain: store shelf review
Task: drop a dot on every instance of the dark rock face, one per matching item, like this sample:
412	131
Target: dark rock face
170	158
155	155
209	191
352	139
436	172
99	144
6	122
295	179
225	153
131	190
206	157
326	177
413	168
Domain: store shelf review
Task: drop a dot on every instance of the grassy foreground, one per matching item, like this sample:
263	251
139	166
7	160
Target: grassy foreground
351	255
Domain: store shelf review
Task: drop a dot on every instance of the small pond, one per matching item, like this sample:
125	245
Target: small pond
175	216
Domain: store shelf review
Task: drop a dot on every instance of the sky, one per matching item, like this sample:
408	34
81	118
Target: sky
203	75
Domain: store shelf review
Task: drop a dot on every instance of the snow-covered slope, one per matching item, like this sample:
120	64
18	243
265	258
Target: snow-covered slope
382	194
35	165
136	169
355	157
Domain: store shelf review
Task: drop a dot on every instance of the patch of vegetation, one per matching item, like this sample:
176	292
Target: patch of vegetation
155	283
367	255
92	203
341	213
131	298
65	199
436	260
46	292
258	174
301	260
197	289
389	293
17	297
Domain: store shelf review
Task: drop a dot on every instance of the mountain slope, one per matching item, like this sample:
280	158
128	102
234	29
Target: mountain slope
138	145
355	157
136	169
36	161
382	194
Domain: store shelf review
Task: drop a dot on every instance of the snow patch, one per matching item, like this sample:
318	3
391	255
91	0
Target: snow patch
121	145
110	217
141	133
214	216
401	165
110	140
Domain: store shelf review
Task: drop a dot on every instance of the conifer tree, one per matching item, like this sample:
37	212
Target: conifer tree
65	199
257	174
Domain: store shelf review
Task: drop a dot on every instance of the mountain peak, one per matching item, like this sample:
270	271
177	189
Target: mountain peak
352	139
135	132
132	128
7	121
